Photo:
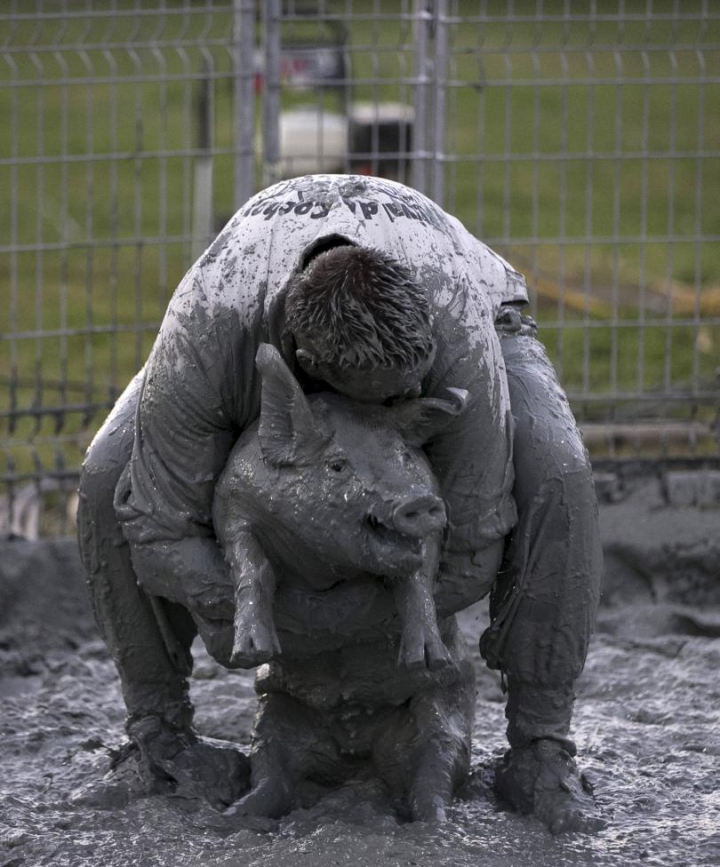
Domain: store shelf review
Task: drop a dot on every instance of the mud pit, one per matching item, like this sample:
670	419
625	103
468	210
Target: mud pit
647	726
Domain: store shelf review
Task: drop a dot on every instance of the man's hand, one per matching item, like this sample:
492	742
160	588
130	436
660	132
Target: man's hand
190	571
348	609
465	577
211	600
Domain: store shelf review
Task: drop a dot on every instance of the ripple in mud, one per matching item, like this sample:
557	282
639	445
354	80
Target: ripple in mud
647	725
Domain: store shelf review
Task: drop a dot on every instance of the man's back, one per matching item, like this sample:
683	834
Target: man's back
201	387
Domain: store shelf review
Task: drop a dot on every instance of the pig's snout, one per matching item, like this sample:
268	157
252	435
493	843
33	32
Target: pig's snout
417	516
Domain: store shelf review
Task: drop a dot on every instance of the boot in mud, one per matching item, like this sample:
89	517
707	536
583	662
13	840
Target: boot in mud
542	779
177	761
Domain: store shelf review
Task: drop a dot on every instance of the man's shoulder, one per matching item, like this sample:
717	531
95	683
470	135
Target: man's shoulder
498	279
231	275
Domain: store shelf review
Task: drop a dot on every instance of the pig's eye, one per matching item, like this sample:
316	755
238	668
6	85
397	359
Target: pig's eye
337	465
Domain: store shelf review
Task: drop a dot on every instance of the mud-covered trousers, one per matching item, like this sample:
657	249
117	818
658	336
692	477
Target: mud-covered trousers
543	604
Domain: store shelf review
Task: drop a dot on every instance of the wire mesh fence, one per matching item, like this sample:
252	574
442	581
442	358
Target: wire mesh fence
580	140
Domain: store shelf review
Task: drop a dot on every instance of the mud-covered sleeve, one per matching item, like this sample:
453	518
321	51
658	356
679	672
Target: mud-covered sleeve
472	458
187	418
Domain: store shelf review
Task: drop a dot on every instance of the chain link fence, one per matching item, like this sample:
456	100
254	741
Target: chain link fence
579	139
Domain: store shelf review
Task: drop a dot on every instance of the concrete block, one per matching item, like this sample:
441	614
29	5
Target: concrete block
700	489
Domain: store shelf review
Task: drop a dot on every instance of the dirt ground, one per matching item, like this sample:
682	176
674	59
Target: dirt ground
647	725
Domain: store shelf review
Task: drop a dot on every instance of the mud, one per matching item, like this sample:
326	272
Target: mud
647	725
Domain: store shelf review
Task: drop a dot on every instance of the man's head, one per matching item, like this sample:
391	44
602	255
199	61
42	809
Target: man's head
361	323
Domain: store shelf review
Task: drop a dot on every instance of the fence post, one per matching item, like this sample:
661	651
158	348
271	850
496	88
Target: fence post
431	59
272	17
202	229
440	30
244	99
422	22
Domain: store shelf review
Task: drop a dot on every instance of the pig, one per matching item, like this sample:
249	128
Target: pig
352	714
324	490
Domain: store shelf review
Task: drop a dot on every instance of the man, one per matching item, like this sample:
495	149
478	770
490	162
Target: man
299	267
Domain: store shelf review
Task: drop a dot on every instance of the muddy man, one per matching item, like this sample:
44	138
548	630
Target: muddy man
365	288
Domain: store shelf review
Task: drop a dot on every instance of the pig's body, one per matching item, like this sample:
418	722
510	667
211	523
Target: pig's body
326	718
321	491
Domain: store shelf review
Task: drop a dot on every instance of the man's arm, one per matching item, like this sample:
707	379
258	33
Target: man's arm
464	578
472	457
199	384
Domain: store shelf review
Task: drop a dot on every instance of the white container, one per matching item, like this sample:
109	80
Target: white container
312	141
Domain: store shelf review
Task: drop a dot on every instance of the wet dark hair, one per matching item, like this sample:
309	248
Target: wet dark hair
360	308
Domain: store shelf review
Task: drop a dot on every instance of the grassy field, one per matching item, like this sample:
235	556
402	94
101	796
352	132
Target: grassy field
588	156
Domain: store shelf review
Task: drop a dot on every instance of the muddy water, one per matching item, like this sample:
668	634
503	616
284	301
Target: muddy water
647	725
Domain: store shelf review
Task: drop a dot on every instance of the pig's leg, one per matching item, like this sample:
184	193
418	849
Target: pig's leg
424	749
433	786
271	792
444	719
290	743
420	642
255	639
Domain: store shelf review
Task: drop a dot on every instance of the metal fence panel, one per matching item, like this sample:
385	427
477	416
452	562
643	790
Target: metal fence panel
578	139
594	152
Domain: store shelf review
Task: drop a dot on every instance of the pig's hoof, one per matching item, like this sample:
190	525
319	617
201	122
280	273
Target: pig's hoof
216	771
249	658
437	657
543	780
269	798
419	655
177	762
252	649
430	809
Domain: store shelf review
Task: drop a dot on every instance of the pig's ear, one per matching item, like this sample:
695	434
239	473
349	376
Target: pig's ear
286	425
420	420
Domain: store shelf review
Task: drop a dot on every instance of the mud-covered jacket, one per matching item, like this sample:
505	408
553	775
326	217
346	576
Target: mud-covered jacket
201	388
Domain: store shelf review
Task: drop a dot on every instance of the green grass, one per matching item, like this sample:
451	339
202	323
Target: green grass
546	167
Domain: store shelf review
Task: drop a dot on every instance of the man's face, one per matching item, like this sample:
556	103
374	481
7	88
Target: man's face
378	385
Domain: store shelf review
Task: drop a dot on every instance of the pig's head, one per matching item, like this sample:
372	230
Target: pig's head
350	480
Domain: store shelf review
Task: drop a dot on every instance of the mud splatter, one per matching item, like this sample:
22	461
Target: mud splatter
647	725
